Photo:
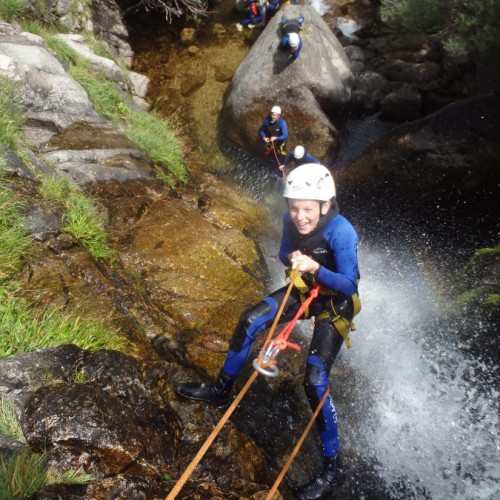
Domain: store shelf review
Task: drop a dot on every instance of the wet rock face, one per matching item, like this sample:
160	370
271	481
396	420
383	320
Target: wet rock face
117	418
441	168
307	89
113	423
185	267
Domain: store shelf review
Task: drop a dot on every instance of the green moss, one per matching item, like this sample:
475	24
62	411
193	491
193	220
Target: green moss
483	258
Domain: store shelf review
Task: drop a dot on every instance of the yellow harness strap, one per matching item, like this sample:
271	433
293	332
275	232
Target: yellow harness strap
343	325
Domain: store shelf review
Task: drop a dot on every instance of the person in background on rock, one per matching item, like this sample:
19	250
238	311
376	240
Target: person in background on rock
299	156
322	244
290	37
271	8
274	132
255	13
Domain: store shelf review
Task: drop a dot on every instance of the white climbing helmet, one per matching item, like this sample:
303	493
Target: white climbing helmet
293	39
299	152
276	109
310	181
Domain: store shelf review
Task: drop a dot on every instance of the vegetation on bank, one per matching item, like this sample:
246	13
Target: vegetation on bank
23	328
482	293
83	218
11	120
22	475
11	9
462	25
153	134
14	242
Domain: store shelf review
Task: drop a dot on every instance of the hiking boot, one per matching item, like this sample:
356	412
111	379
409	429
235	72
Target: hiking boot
321	485
216	394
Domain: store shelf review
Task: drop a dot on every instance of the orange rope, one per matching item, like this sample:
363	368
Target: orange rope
272	491
277	160
190	468
293	277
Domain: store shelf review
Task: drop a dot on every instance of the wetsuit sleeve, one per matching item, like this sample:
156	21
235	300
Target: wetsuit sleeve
343	240
286	242
284	131
310	159
288	159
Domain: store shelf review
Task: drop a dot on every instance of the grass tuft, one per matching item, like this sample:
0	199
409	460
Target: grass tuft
23	329
11	115
21	475
11	9
82	219
155	136
104	94
9	423
14	241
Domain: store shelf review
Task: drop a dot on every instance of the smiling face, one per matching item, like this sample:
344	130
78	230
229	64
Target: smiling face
305	214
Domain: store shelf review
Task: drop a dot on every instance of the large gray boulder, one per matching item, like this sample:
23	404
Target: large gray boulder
308	89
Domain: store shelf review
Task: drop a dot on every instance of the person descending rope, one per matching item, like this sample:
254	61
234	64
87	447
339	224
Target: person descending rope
290	35
299	156
322	244
274	132
255	15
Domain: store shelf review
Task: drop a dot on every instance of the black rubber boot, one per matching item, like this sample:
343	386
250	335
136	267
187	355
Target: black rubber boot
216	394
321	485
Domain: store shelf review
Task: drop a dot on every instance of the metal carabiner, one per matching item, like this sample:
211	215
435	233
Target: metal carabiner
265	362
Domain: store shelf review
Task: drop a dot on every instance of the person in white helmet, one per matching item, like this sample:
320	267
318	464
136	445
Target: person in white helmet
274	133
322	244
299	156
290	35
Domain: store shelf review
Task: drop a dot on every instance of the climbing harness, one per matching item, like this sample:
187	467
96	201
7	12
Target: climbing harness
341	323
265	362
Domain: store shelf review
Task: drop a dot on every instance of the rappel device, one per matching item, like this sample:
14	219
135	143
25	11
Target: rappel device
265	362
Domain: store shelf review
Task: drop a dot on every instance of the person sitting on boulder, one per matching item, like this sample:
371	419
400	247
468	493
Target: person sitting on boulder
299	156
274	132
255	14
290	37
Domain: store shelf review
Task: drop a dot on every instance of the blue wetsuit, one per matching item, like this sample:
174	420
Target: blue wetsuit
307	158
334	246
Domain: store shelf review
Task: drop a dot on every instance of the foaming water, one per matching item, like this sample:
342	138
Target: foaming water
424	422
